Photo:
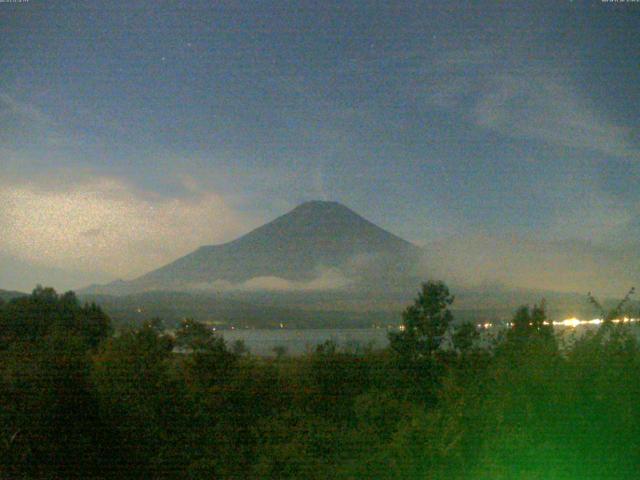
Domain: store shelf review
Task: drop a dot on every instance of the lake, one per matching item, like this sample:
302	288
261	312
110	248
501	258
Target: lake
298	341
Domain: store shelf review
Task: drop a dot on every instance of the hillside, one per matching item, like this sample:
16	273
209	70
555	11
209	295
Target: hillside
224	312
6	295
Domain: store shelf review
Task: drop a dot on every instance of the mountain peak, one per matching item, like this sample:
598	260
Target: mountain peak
315	236
321	219
323	206
319	204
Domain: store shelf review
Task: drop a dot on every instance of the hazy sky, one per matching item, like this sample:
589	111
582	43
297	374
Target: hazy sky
133	132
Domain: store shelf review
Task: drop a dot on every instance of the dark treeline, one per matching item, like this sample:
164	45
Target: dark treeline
80	401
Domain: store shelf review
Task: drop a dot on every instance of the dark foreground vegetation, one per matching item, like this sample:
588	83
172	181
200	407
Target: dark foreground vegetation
78	401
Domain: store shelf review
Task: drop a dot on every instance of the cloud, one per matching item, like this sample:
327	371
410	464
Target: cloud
326	279
585	211
518	261
105	224
11	108
24	120
536	102
544	106
16	274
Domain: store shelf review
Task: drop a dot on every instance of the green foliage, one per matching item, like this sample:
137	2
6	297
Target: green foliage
239	348
336	378
136	396
425	328
280	351
48	422
77	403
465	336
193	335
33	317
614	313
208	361
425	323
49	427
530	325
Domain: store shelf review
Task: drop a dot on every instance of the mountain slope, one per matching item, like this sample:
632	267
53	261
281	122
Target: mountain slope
321	242
221	311
6	295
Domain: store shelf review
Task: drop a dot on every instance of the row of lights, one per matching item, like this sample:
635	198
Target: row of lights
574	322
570	322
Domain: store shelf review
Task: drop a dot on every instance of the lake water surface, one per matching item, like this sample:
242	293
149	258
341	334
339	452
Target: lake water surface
298	341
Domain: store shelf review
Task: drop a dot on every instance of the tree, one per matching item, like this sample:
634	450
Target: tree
614	313
425	323
280	351
49	426
33	317
464	337
239	348
193	335
137	398
208	360
530	323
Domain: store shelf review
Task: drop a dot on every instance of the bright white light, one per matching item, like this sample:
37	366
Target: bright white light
575	322
569	322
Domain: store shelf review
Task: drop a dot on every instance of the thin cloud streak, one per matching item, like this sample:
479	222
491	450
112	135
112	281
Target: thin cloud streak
545	108
533	103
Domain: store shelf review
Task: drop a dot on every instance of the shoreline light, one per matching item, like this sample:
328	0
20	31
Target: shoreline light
575	322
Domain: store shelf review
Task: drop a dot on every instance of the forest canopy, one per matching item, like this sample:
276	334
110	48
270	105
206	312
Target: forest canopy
80	400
